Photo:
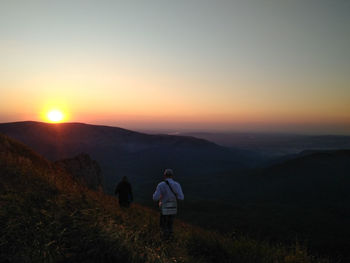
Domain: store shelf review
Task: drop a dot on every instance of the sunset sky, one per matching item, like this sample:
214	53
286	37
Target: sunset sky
271	65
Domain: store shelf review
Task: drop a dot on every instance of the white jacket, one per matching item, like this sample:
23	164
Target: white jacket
164	194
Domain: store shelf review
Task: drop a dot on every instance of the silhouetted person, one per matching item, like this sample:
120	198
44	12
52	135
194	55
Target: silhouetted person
124	192
167	193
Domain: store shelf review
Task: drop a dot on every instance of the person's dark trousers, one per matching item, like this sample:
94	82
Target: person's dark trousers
166	226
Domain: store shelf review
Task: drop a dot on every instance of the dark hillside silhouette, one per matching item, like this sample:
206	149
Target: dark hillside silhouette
84	169
46	215
302	196
306	197
120	152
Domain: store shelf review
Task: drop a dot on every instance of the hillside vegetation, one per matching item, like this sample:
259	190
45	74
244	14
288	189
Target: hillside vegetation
47	216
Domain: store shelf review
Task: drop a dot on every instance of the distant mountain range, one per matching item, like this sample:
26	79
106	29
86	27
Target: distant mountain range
304	196
47	214
141	157
275	144
311	176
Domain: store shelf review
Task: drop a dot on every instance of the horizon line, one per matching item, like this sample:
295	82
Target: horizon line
181	131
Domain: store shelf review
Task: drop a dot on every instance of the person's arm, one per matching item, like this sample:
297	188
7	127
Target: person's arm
157	193
180	194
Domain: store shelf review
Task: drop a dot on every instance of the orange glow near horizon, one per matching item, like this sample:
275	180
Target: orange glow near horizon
133	74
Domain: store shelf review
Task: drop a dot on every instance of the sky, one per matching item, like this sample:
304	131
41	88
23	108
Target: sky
264	65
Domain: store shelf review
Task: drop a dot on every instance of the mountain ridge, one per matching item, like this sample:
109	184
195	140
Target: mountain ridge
120	152
49	217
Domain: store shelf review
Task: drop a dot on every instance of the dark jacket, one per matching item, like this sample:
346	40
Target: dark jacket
124	192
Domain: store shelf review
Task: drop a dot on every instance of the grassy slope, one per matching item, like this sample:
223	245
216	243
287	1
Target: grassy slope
45	216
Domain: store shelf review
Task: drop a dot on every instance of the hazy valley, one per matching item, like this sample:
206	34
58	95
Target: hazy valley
48	214
300	196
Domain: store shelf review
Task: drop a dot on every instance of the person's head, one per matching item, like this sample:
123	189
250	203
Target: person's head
168	173
125	179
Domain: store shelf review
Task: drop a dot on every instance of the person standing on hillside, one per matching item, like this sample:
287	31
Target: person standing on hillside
124	193
167	193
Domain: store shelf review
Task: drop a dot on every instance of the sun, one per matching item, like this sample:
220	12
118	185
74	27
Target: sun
55	116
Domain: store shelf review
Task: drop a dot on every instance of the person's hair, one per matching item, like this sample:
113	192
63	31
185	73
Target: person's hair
168	173
125	178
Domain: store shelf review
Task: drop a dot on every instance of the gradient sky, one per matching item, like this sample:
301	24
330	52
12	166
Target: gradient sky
200	65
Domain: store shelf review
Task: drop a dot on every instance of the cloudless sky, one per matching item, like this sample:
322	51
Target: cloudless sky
203	65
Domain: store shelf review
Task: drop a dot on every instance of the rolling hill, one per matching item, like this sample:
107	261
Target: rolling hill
305	197
141	157
47	215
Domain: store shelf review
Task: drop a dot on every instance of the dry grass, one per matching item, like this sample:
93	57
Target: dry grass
46	216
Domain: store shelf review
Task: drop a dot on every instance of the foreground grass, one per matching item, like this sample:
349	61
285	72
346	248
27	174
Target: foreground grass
45	216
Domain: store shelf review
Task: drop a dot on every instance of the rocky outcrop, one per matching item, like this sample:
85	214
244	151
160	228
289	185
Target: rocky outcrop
84	169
